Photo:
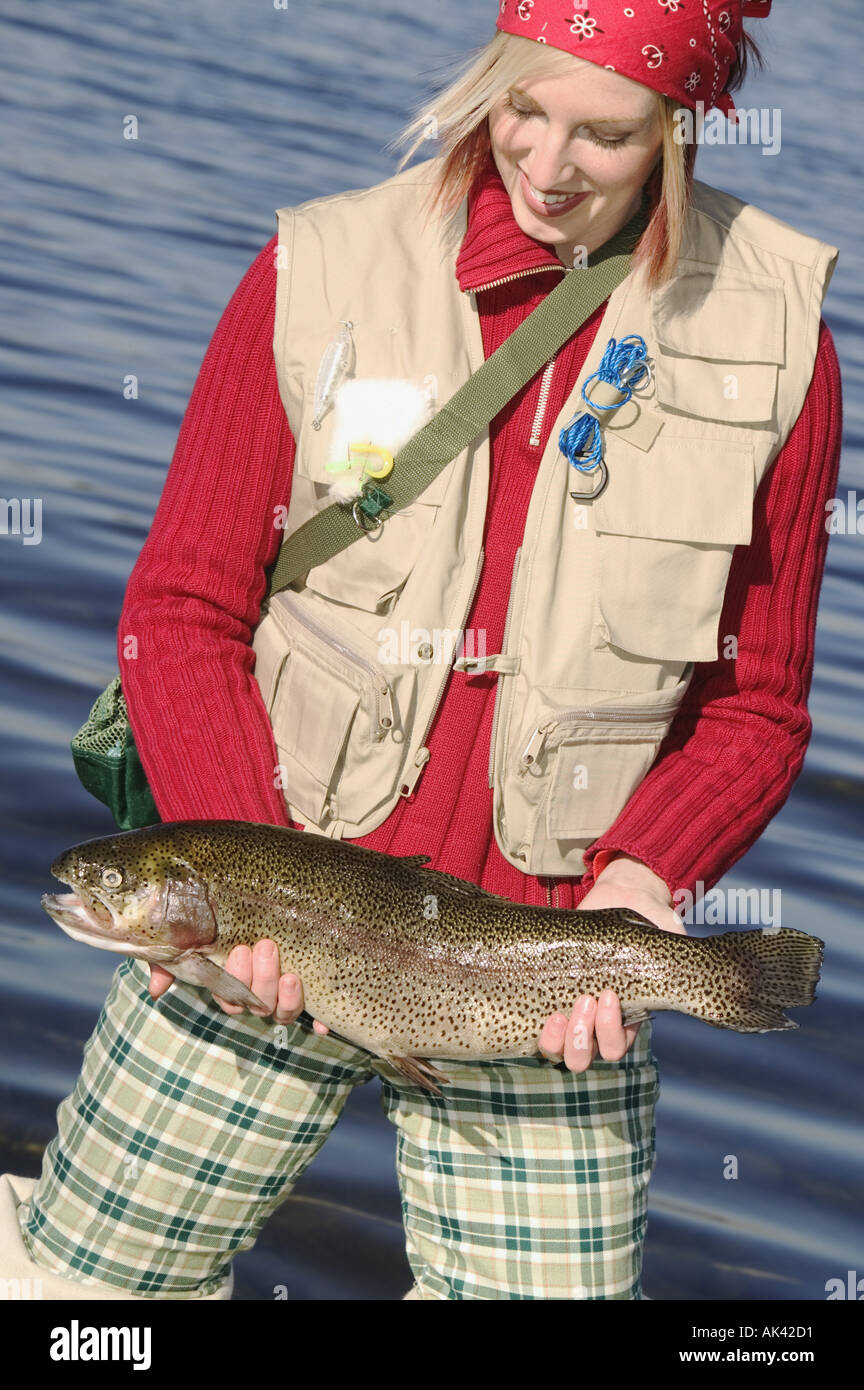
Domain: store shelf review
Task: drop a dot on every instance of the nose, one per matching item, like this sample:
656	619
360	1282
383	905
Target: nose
550	165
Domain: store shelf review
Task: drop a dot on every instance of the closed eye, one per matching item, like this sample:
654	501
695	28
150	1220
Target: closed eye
523	114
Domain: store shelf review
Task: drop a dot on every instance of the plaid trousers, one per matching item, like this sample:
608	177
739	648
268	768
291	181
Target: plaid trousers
187	1128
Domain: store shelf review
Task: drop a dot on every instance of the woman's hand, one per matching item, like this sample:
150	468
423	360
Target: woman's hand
595	1024
258	969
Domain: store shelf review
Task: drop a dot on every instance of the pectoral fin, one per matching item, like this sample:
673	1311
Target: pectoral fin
420	1071
196	969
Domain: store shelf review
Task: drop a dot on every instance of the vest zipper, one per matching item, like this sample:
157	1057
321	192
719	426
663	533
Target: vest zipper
545	388
421	757
633	714
546	383
383	695
552	895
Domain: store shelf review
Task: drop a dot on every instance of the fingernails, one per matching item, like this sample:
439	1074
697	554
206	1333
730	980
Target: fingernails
607	999
585	1003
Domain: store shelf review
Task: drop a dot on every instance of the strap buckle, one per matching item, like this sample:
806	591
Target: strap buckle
367	511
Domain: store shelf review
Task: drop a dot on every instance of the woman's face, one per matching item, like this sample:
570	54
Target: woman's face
595	135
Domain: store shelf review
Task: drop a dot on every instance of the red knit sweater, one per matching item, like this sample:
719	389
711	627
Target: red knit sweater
736	746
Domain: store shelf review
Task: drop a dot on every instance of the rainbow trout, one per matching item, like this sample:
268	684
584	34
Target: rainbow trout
403	960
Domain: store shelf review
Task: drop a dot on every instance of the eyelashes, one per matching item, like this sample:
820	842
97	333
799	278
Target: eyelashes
597	140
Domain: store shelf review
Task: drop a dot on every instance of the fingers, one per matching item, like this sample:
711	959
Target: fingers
551	1042
289	1003
265	976
580	1046
160	980
258	969
593	1027
613	1039
238	964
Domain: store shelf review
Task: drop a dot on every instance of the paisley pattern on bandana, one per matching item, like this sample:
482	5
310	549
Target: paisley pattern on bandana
683	49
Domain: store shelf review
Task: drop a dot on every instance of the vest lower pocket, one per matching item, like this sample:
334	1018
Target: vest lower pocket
595	770
337	718
312	714
573	771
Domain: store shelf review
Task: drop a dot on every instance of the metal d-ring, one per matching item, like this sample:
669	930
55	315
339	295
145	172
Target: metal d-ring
362	524
588	496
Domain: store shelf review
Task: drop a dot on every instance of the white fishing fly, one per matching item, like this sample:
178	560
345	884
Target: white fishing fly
374	418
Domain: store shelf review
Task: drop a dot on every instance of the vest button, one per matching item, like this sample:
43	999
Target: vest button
426	651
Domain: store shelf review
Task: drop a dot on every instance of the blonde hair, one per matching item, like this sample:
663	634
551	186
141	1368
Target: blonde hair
457	118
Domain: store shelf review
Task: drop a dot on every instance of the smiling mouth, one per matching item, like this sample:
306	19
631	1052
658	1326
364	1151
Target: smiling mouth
549	202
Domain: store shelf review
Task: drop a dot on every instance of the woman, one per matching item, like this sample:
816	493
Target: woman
686	587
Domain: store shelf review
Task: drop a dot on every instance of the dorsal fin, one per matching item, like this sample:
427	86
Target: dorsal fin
461	885
414	861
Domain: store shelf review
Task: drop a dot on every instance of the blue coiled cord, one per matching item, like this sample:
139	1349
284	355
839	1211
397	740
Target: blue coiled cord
623	365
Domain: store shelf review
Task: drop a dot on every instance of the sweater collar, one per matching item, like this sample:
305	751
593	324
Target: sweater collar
494	246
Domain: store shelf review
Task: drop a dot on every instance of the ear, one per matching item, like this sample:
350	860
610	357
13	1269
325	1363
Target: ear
188	914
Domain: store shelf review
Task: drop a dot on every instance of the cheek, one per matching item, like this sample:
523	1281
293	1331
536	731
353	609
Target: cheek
622	170
504	134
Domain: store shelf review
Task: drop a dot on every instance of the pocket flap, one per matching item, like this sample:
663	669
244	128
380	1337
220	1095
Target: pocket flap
745	321
697	490
719	356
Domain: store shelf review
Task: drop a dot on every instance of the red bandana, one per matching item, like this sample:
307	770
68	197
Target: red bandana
681	48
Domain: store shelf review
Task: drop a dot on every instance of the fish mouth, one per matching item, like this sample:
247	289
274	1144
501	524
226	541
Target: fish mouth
90	920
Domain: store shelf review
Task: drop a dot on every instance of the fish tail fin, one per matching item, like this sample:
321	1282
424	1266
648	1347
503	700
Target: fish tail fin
770	970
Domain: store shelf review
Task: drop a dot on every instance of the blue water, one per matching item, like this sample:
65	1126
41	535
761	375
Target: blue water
119	258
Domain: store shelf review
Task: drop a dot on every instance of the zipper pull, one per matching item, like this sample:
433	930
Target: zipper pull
533	747
421	758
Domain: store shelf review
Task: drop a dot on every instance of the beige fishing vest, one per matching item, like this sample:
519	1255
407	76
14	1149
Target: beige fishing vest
612	601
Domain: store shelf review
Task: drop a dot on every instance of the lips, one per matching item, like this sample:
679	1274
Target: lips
548	209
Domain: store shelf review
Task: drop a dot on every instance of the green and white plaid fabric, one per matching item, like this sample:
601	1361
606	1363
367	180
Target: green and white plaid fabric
187	1128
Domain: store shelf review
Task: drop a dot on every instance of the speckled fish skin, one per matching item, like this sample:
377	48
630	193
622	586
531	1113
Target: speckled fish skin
399	958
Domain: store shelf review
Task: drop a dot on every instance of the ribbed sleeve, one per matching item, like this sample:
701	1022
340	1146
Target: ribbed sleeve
193	597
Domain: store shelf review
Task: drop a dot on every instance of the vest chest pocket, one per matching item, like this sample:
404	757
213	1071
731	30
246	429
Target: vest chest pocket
721	342
667	526
371	573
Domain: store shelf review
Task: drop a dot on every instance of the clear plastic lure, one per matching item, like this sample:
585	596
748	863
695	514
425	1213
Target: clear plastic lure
336	363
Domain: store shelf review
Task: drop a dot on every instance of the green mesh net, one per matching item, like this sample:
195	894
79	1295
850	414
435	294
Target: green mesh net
108	764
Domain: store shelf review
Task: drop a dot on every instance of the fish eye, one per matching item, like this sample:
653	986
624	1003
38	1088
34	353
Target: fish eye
111	878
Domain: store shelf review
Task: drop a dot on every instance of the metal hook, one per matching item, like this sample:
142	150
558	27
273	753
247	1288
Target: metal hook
644	364
588	496
362	524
